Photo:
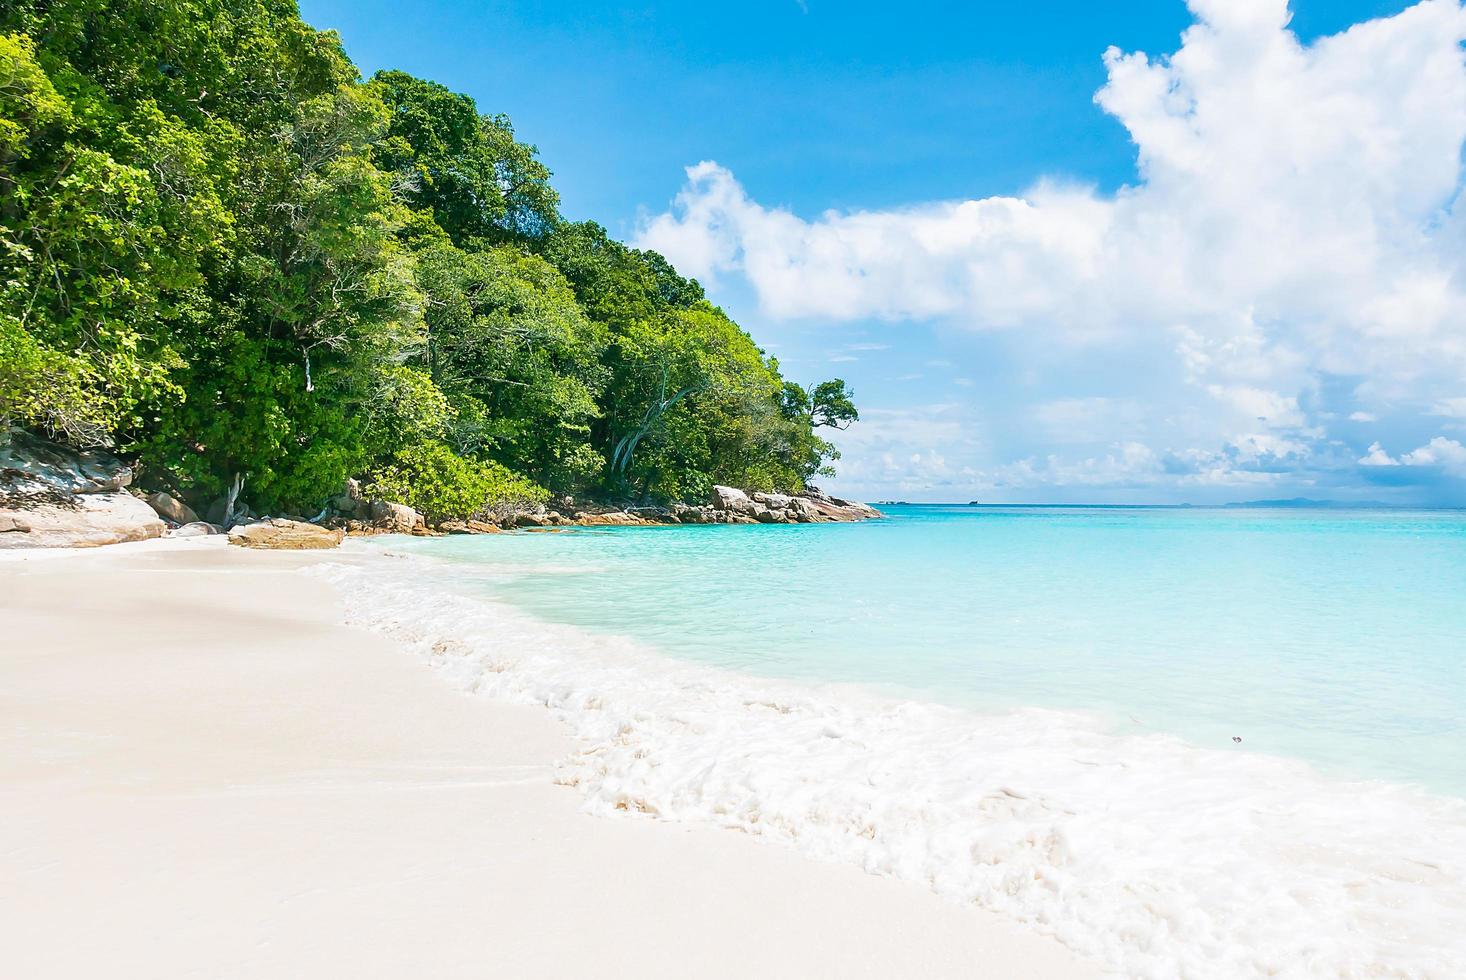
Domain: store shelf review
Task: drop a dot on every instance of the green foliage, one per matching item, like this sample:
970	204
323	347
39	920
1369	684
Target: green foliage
479	183
508	341
441	485
224	251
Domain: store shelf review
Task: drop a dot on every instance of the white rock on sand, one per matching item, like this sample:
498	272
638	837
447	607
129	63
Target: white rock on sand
202	774
84	520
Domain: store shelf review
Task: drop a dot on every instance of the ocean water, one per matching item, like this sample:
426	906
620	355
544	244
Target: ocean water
1037	710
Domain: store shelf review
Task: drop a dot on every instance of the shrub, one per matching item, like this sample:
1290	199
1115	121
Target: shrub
441	485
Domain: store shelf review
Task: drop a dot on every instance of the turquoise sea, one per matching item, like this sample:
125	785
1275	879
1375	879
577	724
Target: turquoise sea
1333	636
1031	709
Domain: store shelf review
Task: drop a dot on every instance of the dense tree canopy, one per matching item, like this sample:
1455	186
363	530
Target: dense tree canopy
223	250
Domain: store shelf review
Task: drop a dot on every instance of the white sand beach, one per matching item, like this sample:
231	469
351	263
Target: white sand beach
202	774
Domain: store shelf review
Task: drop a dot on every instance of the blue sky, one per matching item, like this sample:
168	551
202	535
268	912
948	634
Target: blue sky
1229	277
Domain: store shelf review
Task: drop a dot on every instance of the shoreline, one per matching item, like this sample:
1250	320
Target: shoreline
206	771
1089	836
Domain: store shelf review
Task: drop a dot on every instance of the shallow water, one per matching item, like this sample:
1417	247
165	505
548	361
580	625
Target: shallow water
1029	709
1338	637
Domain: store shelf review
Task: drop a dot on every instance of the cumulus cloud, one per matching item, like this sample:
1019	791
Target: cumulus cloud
1448	454
1295	218
1441	453
1376	456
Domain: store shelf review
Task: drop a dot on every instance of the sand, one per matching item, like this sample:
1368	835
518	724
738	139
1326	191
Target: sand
202	774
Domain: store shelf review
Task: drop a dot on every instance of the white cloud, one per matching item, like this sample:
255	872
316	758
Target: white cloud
1263	406
1448	454
1454	408
1295	218
1376	456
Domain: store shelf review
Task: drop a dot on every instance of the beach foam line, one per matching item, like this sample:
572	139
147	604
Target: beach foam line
1145	853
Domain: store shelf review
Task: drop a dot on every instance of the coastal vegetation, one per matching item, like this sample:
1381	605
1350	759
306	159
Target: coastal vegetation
224	252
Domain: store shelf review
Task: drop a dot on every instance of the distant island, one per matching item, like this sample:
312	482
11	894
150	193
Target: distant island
1305	503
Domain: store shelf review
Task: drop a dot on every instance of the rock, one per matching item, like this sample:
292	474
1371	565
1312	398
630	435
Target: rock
469	527
170	508
80	520
530	520
835	509
774	501
27	458
730	499
803	511
280	534
343	504
396	517
218	512
615	518
195	529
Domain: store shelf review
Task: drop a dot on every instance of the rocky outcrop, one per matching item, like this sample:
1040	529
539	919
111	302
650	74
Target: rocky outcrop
54	496
25	458
279	534
726	505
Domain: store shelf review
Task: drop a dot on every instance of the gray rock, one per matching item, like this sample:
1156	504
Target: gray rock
27	458
195	529
730	499
803	511
397	517
170	508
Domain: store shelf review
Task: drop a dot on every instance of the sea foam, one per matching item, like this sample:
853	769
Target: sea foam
1150	855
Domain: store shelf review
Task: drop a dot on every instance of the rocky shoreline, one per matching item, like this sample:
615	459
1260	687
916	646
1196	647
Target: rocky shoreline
53	496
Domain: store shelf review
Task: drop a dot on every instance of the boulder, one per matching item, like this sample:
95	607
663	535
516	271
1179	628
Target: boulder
280	534
170	508
25	458
218	512
343	504
730	499
469	527
836	509
615	518
395	517
80	520
195	529
774	501
803	511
